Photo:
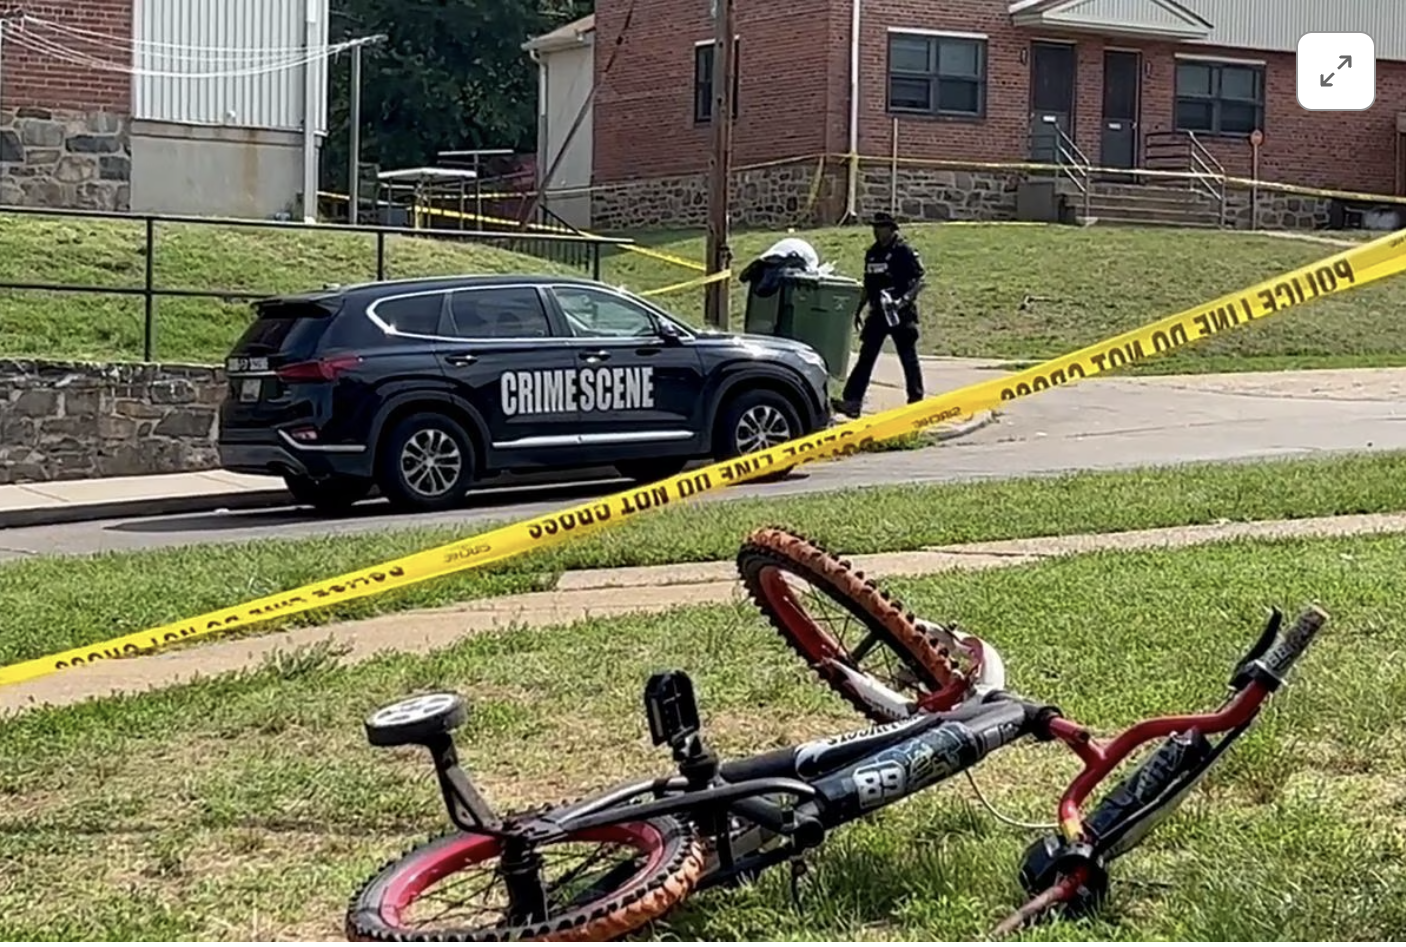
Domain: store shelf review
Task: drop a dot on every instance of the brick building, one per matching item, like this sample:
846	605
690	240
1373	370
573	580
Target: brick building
102	105
975	81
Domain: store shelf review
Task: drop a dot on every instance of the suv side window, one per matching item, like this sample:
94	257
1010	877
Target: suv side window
415	315
593	314
499	312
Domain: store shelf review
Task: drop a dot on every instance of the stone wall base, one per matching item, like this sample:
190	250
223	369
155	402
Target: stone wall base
790	196
1272	210
74	420
62	158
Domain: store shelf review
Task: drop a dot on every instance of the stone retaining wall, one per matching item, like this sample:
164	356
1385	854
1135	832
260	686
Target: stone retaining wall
1277	211
65	158
74	420
787	196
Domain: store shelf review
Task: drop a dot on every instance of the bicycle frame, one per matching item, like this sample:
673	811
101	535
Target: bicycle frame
836	780
839	779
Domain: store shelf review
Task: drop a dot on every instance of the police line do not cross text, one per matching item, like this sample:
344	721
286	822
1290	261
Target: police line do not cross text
559	390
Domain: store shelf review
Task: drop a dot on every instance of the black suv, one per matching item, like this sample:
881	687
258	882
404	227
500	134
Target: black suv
421	387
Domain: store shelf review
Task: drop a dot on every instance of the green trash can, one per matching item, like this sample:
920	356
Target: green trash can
816	310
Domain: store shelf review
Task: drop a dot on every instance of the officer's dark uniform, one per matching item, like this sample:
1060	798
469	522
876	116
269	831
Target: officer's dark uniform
896	268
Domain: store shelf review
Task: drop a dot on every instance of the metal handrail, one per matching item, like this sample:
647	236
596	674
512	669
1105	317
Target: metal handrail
1072	159
1211	174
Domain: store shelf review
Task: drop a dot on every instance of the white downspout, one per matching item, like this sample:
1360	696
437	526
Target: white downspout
852	199
310	109
543	145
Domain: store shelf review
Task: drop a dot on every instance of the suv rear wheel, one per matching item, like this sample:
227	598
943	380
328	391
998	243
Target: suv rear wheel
332	496
426	463
756	420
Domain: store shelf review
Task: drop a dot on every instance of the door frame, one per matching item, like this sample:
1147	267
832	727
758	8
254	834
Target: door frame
1073	47
1137	101
1073	118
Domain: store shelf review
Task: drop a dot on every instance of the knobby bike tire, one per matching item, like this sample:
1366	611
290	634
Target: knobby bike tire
773	548
676	861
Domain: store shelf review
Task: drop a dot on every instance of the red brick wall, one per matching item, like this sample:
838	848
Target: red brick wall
34	79
787	101
795	87
1340	150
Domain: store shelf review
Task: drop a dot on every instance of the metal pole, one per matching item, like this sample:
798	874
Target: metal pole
4	22
893	171
478	195
149	320
310	113
720	164
1254	187
354	184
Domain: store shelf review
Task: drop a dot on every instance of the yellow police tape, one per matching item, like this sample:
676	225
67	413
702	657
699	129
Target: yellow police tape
688	284
1339	273
429	210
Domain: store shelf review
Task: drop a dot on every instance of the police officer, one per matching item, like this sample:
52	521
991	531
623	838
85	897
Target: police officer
893	277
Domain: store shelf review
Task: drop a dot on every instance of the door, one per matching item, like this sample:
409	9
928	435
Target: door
636	387
506	362
1053	71
1122	100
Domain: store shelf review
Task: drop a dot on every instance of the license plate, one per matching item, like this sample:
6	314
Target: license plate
249	389
247	364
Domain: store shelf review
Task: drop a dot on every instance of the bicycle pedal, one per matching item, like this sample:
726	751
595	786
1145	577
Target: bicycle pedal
799	870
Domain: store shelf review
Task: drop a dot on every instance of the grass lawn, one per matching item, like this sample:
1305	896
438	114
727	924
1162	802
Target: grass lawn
249	807
998	292
1037	292
54	603
74	251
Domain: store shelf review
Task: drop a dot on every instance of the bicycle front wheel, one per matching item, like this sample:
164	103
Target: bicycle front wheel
600	883
834	618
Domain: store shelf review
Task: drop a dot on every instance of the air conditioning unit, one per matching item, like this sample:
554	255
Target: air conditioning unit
1401	123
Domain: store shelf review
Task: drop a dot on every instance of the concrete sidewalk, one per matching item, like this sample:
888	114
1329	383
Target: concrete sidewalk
69	501
605	593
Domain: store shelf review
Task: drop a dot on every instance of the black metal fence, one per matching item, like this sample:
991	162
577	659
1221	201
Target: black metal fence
586	252
435	211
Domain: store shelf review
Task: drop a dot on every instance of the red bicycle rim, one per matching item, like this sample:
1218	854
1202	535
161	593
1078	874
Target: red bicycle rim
820	646
440	862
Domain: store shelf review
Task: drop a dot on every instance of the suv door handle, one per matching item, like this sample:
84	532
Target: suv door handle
599	355
461	358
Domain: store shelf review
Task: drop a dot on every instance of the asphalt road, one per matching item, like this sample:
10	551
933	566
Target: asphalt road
1099	425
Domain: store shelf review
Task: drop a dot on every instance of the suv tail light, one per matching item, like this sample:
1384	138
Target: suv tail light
324	369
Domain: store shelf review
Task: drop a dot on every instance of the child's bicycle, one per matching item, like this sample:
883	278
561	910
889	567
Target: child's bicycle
611	864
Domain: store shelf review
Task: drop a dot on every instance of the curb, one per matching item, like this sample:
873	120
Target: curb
154	506
259	499
978	421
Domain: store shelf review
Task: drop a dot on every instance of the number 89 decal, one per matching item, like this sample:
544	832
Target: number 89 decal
879	783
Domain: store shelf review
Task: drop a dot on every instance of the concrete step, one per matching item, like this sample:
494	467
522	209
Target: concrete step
1181	223
1160	202
1156	210
1153	189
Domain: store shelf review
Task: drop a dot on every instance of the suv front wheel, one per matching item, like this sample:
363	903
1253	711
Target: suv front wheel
426	463
755	421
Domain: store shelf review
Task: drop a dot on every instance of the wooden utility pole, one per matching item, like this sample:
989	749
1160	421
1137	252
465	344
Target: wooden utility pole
720	165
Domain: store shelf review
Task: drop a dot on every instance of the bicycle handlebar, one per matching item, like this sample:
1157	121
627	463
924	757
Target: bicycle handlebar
1292	644
1061	867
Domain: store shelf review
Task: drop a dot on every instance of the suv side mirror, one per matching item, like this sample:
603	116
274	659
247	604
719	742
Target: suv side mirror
669	333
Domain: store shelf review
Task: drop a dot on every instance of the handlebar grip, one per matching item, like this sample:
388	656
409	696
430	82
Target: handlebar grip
1293	643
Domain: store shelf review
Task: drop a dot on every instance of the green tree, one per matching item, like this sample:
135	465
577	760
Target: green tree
451	74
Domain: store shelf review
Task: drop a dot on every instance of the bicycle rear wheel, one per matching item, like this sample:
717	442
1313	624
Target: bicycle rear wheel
806	592
451	888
